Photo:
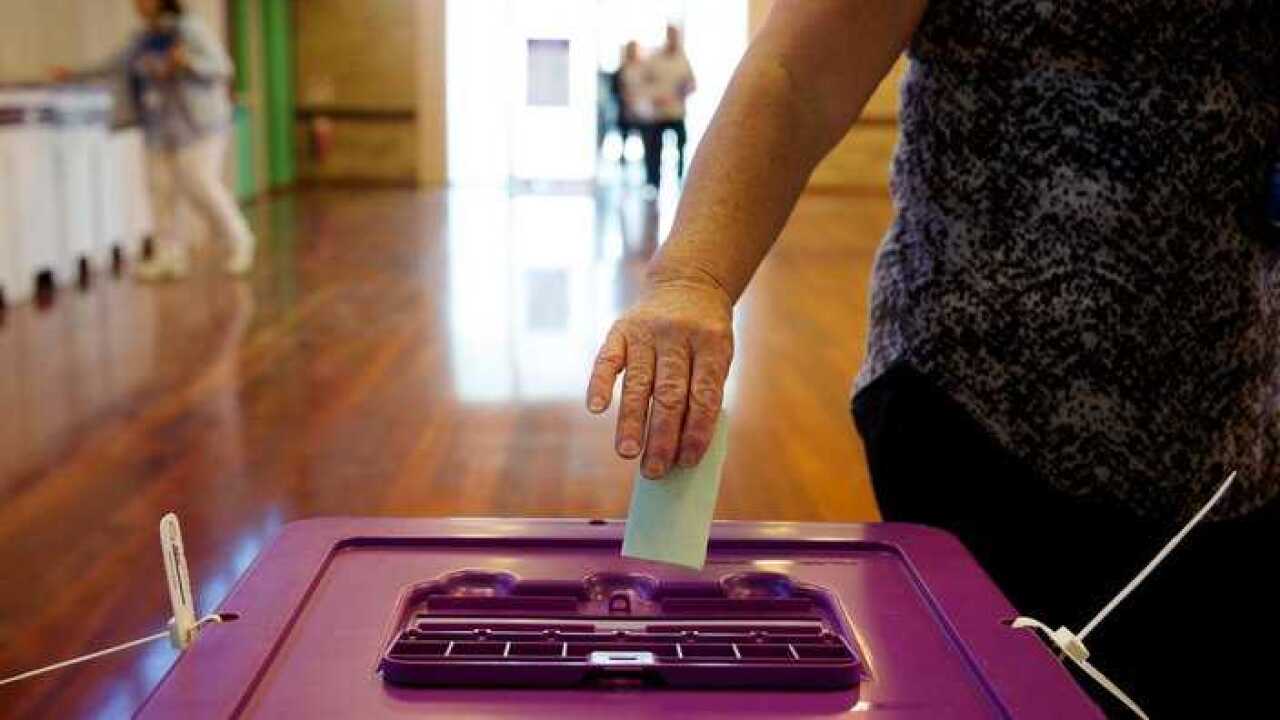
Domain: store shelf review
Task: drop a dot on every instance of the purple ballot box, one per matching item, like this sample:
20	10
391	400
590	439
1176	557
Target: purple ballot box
382	618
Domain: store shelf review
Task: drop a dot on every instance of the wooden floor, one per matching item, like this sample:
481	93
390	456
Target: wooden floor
394	354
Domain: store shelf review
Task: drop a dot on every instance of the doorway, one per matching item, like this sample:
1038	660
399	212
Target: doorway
523	78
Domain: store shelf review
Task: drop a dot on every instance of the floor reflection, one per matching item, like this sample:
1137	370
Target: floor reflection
534	282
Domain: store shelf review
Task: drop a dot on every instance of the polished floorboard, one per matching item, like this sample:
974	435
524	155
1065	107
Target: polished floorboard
395	353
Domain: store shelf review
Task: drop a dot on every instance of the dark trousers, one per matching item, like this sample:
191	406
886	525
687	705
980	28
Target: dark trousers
1197	639
625	128
651	135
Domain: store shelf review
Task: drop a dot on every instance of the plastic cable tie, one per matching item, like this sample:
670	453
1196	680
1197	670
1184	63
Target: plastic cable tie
1072	644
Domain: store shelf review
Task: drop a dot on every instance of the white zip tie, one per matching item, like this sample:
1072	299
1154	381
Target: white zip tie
183	626
101	653
1072	644
1160	556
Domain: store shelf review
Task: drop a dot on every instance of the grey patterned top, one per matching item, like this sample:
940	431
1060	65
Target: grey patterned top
1081	256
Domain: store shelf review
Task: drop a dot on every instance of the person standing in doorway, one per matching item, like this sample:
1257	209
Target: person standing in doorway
623	86
178	77
667	81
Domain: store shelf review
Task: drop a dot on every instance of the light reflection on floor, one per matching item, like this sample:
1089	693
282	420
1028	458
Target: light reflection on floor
535	281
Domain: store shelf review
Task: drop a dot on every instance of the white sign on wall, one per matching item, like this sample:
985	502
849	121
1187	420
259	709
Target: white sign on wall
548	72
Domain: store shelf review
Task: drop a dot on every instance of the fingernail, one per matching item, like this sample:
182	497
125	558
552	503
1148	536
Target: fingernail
686	460
595	404
629	448
654	469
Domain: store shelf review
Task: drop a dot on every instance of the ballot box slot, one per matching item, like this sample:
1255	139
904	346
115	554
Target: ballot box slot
483	628
743	648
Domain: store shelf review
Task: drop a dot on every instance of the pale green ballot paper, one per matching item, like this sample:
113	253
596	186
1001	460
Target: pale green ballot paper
670	519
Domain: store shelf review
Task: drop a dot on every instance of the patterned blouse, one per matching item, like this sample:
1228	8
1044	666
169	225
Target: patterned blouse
1082	256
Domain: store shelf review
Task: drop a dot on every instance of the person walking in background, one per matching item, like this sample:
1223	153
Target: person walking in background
623	86
666	80
178	76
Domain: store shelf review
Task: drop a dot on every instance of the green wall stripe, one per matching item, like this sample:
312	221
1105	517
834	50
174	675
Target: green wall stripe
277	31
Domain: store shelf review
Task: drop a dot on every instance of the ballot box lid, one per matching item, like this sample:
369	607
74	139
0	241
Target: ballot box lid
331	614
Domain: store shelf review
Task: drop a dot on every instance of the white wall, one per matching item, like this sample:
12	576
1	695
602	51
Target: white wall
477	91
492	134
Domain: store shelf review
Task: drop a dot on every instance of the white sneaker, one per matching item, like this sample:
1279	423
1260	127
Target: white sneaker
241	261
162	267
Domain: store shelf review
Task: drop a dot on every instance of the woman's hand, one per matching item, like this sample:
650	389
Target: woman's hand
675	346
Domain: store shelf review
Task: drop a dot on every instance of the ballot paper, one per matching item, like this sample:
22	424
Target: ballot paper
670	518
